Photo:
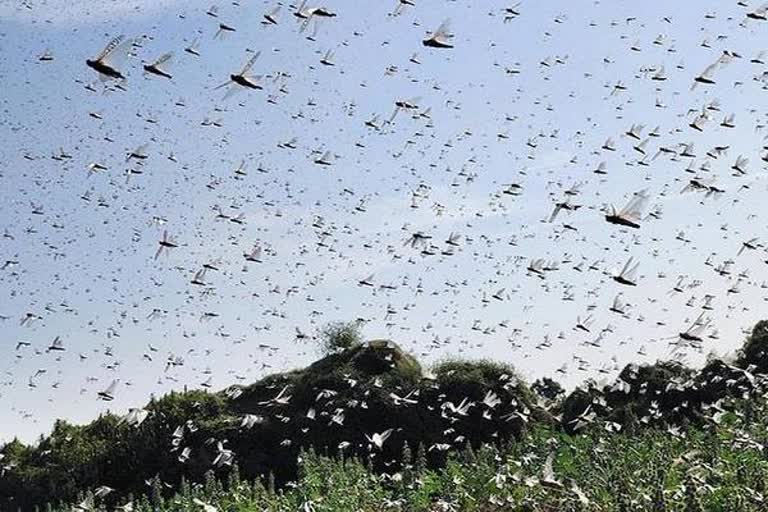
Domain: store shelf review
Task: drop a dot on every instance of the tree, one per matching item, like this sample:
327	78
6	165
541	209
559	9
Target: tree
756	347
547	388
339	336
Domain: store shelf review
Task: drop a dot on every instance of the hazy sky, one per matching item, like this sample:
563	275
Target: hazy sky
530	102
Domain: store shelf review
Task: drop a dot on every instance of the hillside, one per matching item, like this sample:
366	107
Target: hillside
369	426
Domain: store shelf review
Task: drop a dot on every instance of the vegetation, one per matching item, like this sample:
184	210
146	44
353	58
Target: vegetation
339	336
464	436
707	469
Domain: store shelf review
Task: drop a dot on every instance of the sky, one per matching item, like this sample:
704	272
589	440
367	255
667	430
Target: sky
530	101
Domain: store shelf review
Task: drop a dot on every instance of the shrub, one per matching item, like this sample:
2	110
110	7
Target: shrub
339	336
547	389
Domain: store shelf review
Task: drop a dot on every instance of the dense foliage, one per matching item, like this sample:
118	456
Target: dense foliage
464	436
715	469
339	336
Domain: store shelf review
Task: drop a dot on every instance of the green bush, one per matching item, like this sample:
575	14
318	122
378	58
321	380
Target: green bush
339	336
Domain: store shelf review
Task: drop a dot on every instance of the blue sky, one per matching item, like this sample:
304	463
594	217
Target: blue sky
86	266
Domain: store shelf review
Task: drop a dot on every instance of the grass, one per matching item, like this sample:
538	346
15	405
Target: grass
720	468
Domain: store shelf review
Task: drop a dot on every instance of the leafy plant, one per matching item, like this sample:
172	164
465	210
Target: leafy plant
339	336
